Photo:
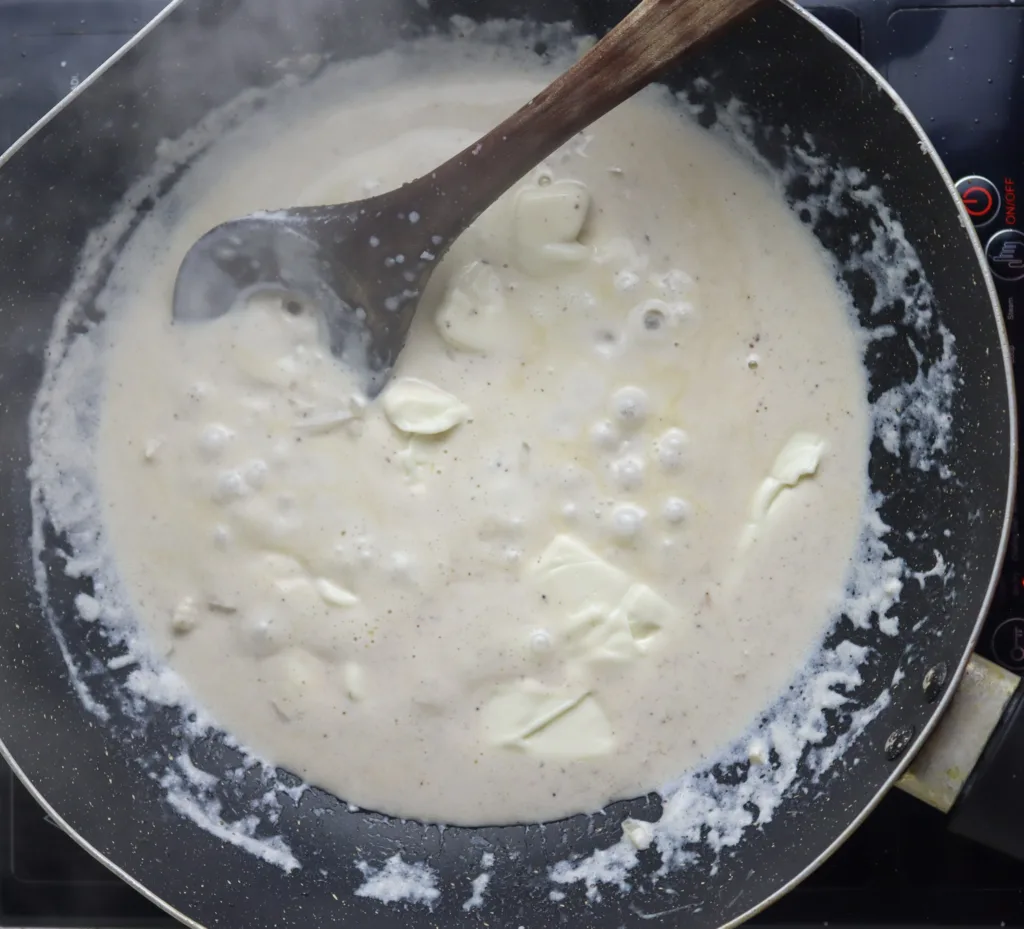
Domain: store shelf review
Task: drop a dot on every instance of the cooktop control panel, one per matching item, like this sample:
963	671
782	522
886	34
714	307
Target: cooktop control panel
960	68
959	65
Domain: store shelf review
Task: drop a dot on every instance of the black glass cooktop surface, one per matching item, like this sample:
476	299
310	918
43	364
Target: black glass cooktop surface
960	67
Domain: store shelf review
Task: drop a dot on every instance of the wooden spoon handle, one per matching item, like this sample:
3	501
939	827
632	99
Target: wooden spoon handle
628	58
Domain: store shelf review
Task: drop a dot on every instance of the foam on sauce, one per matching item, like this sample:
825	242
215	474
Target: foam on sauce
671	468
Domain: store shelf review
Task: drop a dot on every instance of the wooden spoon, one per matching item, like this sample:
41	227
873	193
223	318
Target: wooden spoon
363	265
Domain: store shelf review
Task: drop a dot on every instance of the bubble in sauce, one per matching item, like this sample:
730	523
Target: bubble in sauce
671	449
631	406
676	510
628	521
628	472
213	440
604	435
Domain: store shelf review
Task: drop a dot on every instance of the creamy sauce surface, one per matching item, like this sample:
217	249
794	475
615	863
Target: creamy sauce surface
600	518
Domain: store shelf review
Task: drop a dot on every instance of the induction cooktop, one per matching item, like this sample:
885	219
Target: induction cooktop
960	67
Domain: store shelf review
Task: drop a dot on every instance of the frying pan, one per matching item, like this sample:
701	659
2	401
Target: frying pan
815	114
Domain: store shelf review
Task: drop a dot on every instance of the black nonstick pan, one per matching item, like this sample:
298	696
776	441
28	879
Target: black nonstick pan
820	119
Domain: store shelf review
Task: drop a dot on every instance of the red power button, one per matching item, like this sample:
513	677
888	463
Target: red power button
978	201
980	197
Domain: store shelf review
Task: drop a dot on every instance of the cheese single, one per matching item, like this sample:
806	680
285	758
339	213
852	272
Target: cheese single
420	408
799	459
473	317
548	222
601	612
529	716
334	595
639	833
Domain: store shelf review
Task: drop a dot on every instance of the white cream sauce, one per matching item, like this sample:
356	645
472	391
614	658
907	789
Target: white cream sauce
601	517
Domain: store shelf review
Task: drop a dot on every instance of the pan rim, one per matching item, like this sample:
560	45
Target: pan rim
940	706
5	753
87	82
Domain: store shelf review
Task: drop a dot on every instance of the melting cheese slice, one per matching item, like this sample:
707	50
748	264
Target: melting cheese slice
420	408
299	683
639	833
548	222
531	717
608	615
602	614
473	316
333	594
644	613
315	611
799	459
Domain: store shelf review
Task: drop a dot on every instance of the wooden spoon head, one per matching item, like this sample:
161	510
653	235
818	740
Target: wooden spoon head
264	253
306	258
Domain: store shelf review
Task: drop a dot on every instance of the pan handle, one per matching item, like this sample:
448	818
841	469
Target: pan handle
972	767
